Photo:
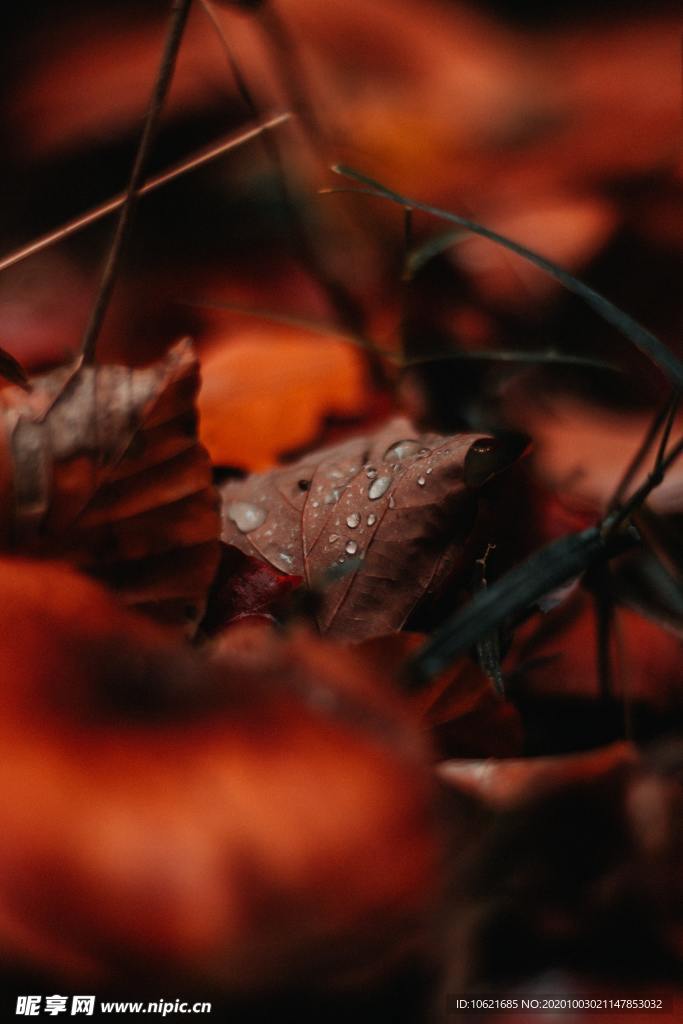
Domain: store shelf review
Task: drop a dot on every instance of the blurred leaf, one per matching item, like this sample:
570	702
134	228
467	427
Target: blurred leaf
229	823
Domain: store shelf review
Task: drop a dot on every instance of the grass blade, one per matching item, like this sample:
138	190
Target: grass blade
638	335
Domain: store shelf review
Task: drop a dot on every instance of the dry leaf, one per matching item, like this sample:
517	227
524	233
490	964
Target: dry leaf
392	508
267	392
101	466
264	817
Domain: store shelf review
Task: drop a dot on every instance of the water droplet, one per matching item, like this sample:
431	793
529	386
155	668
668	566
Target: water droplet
424	451
372	519
379	487
286	558
340	561
401	450
245	516
421	481
351	547
333	537
332	497
370	472
315	504
392	501
353	520
429	470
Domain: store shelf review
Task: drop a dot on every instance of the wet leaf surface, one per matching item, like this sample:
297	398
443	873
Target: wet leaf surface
396	500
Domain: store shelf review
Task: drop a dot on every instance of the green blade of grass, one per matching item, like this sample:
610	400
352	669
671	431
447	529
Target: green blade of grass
648	343
513	593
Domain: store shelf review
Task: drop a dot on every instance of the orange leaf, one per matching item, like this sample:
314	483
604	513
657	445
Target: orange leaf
267	393
243	821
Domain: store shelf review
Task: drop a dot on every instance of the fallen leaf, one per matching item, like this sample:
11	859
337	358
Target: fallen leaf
555	655
464	714
504	783
394	507
256	818
268	391
101	466
579	869
243	587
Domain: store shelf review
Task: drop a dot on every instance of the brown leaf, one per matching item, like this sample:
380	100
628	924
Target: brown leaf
395	502
258	818
101	466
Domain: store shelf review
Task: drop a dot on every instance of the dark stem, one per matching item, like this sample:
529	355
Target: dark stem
654	479
176	27
640	455
668	427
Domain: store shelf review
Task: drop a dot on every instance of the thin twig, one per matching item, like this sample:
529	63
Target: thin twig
640	455
204	156
176	27
654	479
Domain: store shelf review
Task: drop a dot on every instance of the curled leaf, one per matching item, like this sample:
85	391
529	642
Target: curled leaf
101	466
395	501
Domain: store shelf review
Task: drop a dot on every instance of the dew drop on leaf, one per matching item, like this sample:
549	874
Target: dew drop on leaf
246	516
351	547
401	450
378	487
353	520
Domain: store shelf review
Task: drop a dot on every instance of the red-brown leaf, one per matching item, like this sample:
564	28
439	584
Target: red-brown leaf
404	515
101	466
461	708
245	586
